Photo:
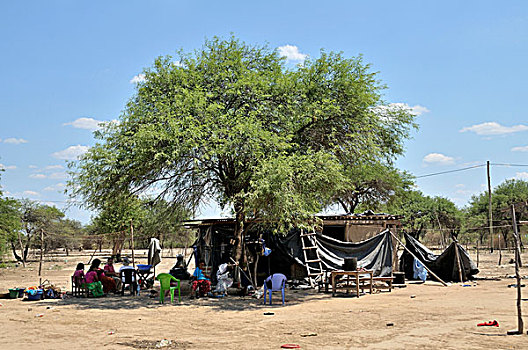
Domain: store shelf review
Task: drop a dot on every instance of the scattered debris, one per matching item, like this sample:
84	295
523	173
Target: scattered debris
269	313
493	323
29	309
309	335
39	315
111	332
163	343
290	346
515	285
413	296
390	324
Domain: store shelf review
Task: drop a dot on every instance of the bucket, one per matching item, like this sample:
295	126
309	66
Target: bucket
350	264
399	277
35	294
13	293
21	292
143	267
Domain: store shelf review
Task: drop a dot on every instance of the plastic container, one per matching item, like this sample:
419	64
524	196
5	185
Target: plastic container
21	292
34	294
13	293
143	267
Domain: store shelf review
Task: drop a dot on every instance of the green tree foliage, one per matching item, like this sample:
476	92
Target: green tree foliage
9	222
424	213
503	196
231	123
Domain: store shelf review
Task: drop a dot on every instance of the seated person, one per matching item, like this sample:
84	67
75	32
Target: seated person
108	283
110	272
92	280
200	280
78	275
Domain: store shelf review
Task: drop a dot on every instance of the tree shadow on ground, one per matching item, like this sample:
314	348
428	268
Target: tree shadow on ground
228	303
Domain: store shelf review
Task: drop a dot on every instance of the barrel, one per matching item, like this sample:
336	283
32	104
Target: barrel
350	264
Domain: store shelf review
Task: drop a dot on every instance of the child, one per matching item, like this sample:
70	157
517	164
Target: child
200	280
78	275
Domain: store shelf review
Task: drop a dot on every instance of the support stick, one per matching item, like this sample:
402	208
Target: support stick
520	324
459	263
132	244
41	249
408	251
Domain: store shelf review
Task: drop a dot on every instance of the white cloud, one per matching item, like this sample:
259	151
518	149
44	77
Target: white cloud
460	186
520	149
15	141
438	158
522	175
32	167
37	176
177	63
58	176
71	153
31	193
57	187
291	53
54	167
494	128
86	123
7	167
138	79
419	110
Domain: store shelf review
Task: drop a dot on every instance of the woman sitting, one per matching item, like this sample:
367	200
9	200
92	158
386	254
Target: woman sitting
108	283
92	280
200	281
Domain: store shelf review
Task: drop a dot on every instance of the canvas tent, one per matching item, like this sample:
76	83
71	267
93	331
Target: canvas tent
215	245
444	265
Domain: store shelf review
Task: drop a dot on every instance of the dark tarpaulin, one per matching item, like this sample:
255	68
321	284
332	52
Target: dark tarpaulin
372	254
444	265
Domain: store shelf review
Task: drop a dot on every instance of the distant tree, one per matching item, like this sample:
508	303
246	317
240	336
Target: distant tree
34	217
232	123
9	222
422	213
509	192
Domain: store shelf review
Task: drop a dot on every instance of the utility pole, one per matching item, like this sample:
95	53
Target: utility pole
490	215
520	324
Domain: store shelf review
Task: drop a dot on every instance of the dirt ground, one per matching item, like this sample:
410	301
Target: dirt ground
420	316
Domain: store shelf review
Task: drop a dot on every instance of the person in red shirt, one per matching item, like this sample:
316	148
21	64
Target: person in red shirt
109	271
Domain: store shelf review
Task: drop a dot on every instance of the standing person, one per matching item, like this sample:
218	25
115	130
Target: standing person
110	272
200	281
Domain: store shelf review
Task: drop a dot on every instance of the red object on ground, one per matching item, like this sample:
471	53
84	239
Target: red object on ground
290	346
493	323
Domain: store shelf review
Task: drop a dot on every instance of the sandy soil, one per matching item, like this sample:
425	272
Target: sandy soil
424	316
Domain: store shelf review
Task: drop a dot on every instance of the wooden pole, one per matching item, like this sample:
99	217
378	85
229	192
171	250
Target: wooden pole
478	251
490	215
459	263
408	251
520	324
132	244
21	249
41	250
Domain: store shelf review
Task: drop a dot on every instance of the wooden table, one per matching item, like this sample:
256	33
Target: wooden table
357	280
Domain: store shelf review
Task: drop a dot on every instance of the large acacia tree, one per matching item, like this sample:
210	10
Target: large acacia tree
232	123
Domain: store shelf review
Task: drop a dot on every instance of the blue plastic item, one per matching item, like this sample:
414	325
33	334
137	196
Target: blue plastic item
277	282
144	267
35	294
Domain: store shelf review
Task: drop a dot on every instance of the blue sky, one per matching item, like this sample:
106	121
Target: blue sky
462	66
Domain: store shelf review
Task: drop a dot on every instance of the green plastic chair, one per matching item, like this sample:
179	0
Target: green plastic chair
165	280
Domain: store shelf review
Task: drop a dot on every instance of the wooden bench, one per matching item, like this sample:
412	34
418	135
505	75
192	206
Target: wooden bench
387	280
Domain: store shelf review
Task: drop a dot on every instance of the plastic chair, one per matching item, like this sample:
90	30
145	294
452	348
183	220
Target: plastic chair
128	277
165	280
278	283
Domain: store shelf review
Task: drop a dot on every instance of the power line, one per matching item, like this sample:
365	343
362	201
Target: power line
451	171
509	165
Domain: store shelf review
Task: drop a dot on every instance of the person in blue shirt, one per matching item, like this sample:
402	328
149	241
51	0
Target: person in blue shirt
201	281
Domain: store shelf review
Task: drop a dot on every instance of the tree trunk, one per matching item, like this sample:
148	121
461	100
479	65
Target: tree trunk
15	254
240	218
